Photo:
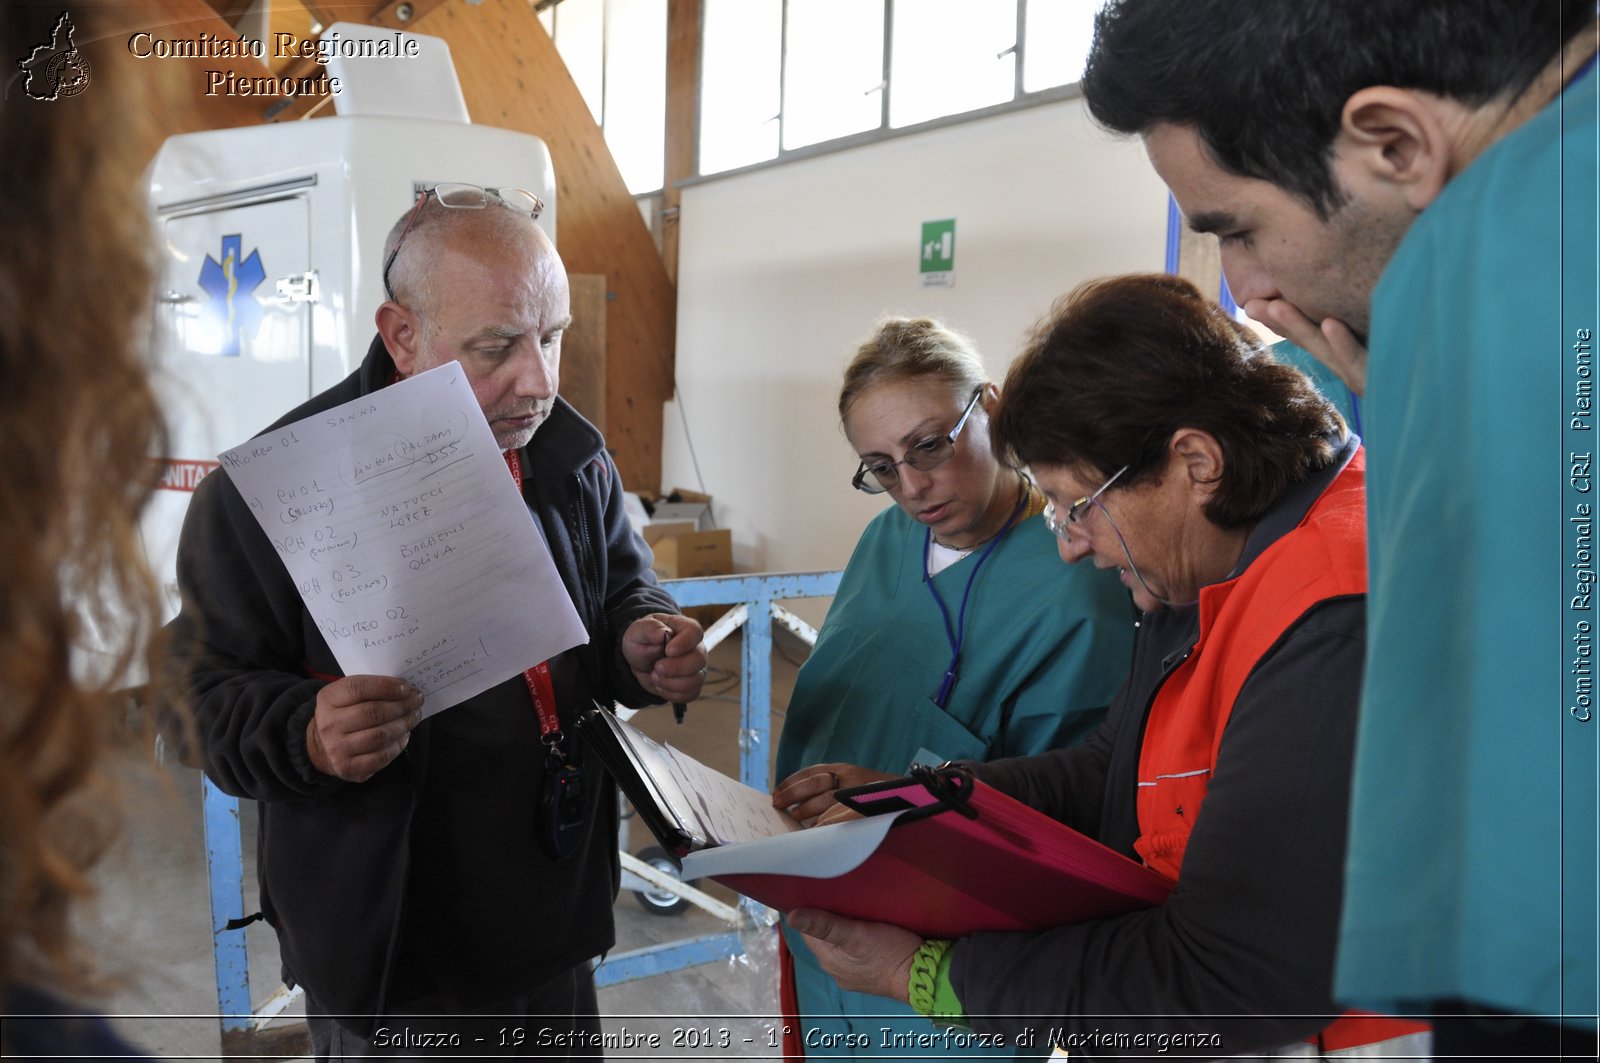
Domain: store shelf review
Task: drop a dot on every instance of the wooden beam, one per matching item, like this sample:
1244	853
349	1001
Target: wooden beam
303	15
513	77
390	14
231	11
583	349
401	14
289	16
326	15
683	96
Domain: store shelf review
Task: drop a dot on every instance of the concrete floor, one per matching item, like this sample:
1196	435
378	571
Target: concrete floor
151	925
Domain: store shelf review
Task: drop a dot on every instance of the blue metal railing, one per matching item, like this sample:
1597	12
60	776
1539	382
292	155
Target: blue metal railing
758	594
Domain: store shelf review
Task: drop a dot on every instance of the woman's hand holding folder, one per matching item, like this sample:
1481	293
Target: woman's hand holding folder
865	957
807	795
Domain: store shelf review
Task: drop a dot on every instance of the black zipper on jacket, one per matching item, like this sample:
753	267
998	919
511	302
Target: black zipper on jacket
589	574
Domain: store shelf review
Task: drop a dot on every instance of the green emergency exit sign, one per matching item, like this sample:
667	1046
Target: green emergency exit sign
937	254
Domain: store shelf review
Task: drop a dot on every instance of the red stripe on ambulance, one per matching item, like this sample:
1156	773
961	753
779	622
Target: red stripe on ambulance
182	475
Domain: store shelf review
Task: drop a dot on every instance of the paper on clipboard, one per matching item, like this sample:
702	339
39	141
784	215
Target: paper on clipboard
406	537
684	803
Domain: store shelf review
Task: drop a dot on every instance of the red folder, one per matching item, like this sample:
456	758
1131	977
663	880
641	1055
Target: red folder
964	857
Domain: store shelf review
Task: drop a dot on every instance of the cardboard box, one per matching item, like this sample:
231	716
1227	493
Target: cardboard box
657	530
696	514
689	506
696	553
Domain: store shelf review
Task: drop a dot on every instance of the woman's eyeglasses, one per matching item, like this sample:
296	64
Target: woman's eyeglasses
1062	525
879	476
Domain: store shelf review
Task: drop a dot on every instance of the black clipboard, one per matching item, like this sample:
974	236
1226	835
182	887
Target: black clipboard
633	762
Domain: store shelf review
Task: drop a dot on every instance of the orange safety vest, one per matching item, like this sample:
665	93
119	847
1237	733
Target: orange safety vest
1241	619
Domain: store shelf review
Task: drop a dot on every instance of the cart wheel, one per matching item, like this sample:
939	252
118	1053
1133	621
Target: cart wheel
658	901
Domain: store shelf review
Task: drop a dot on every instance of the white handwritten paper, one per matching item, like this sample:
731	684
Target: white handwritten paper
401	526
720	810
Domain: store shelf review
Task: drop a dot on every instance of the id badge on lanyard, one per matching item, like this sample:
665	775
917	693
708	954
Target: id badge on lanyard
561	804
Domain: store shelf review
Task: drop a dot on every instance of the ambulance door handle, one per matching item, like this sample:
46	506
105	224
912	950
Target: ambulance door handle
174	297
299	287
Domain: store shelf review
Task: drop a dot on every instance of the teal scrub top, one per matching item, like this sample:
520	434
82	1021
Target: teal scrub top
1472	860
1047	645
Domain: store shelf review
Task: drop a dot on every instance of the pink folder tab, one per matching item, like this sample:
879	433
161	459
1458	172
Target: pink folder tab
963	859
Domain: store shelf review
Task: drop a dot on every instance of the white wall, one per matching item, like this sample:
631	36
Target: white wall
783	271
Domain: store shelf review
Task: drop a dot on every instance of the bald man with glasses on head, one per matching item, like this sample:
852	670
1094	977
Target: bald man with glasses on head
412	869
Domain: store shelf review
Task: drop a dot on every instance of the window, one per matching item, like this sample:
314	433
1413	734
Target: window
951	56
833	70
580	37
740	45
781	75
616	51
636	90
1058	34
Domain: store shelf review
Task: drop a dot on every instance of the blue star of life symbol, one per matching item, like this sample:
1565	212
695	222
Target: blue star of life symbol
229	285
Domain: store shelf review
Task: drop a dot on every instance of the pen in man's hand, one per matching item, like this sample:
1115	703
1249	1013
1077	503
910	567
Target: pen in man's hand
679	709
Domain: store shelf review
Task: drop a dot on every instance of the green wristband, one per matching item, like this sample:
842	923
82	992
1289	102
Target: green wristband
925	973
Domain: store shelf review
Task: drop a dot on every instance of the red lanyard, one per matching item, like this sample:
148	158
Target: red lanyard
540	688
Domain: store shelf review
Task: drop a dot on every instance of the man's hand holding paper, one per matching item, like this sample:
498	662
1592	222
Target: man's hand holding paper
361	723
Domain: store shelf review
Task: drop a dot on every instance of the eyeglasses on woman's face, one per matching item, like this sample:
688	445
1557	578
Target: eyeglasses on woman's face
880	475
1062	524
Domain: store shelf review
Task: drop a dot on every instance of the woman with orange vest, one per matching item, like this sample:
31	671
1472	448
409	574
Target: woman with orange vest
1230	497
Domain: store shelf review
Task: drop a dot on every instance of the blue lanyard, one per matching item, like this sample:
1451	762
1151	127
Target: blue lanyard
958	634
